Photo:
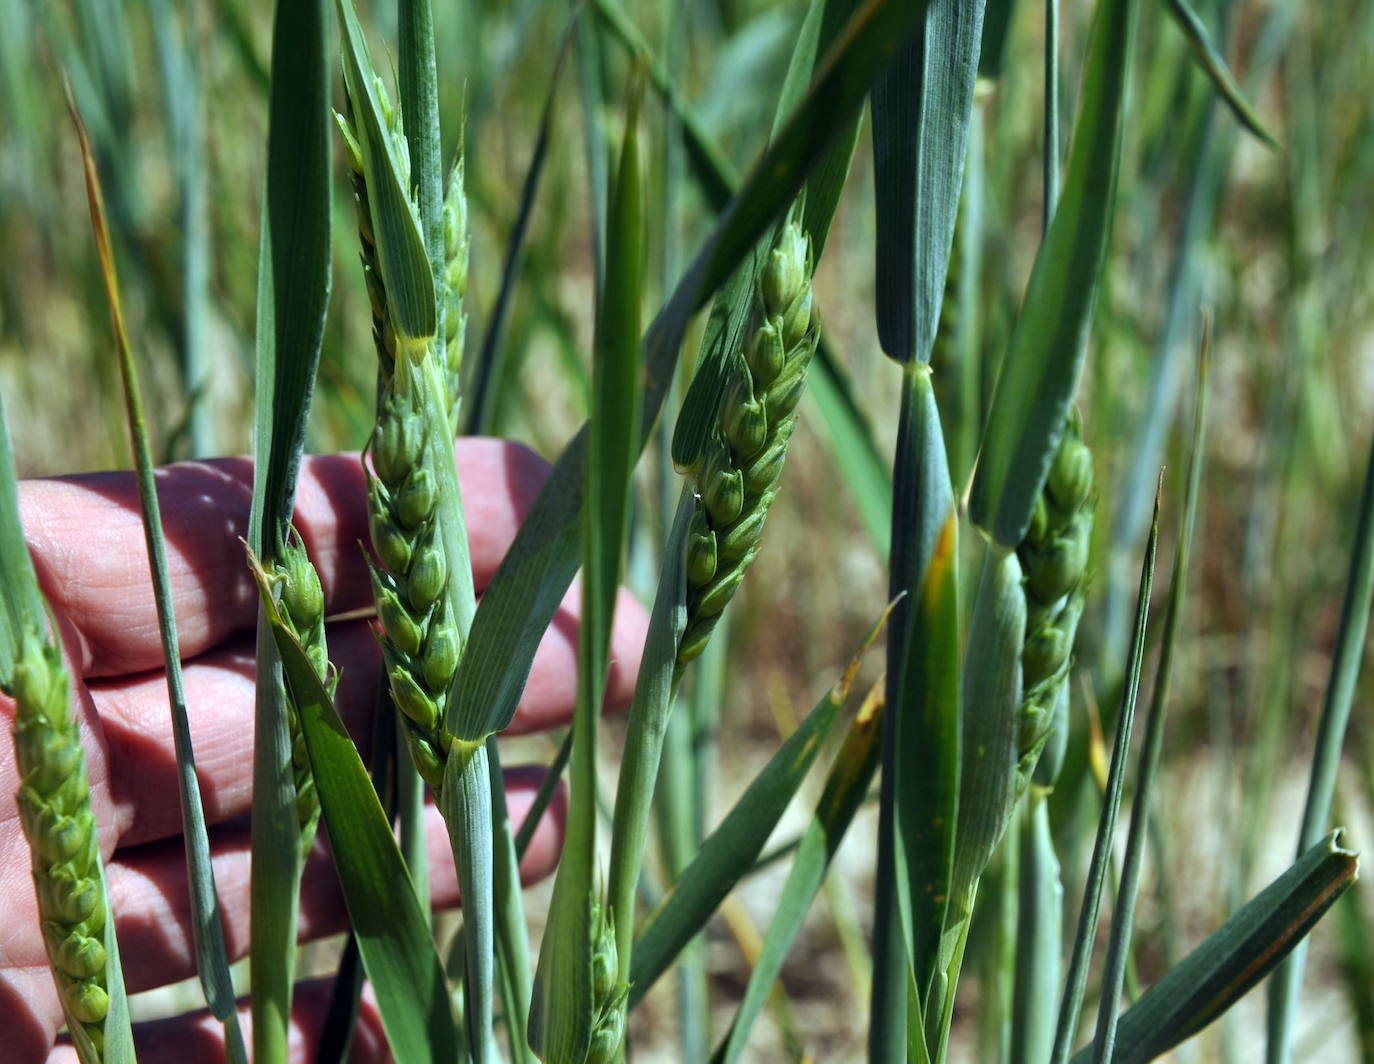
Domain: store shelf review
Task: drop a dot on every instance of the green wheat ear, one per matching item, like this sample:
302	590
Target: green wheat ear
608	992
457	242
300	599
55	809
1054	558
737	475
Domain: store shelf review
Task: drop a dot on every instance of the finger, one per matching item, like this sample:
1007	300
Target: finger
149	897
29	1006
86	537
220	697
198	1036
220	703
148	892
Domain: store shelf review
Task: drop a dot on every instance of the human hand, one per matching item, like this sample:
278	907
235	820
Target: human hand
86	538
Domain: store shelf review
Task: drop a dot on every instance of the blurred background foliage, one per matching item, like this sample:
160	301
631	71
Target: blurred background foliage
1277	243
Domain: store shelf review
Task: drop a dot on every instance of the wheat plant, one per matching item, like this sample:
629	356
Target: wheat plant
975	499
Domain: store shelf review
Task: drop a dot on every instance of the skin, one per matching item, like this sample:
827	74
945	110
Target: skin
86	539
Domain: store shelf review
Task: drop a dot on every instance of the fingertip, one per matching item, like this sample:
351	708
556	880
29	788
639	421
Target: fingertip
522	785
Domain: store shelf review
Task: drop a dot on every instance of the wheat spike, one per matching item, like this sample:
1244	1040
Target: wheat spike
737	476
300	599
1054	557
55	809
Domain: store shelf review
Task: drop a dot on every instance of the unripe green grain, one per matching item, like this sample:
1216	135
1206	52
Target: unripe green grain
765	354
428	576
396	619
442	651
723	495
397	445
743	535
417	498
412	699
746	425
701	550
1070	479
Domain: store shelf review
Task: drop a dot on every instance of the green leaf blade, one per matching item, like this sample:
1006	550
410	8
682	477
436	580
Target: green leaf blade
529	585
401	252
1048	347
1214	65
920	133
393	933
851	774
1236	957
735	845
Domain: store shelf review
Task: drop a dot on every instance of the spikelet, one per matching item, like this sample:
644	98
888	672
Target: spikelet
55	809
609	995
1054	556
383	338
455	280
420	639
300	599
737	475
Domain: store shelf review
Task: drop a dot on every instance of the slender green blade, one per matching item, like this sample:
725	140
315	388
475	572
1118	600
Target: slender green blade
1039	937
923	682
401	254
731	850
177	67
23	602
851	774
295	251
648	723
712	168
996	29
512	939
212	956
1046	353
920	132
417	83
465	802
564	1010
1340	693
733	306
1123	915
1237	956
487	369
392	931
1071	1005
293	298
1213	63
988	703
529	585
